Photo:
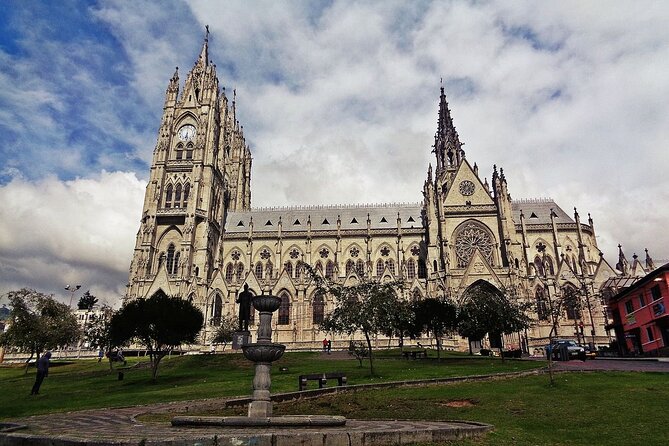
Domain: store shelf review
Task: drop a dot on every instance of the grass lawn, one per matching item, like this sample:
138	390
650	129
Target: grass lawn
604	408
87	384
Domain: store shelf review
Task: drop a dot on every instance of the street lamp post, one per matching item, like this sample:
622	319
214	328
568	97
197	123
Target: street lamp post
72	289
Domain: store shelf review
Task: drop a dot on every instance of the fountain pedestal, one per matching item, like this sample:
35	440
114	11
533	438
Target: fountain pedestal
263	353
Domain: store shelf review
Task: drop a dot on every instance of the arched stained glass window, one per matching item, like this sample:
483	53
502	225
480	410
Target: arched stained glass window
170	259
380	266
350	266
284	309
217	310
329	269
175	267
189	151
360	267
289	269
229	272
269	268
180	151
259	270
240	271
411	269
572	302
168	196
186	194
542	305
318	309
177	196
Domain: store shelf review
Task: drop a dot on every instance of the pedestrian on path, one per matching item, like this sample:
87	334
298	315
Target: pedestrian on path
325	344
42	372
329	346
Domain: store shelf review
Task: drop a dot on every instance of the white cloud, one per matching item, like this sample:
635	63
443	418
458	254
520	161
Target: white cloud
82	231
569	97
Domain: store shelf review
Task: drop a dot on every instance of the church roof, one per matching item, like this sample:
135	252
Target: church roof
324	218
538	211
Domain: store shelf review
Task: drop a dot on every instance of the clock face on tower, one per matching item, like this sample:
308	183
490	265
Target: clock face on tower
467	187
187	132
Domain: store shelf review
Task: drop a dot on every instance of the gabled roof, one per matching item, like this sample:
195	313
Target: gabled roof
538	211
324	218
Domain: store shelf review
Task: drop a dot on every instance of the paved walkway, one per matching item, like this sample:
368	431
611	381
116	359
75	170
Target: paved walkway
119	427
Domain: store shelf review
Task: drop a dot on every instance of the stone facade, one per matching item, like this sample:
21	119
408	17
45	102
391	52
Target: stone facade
199	237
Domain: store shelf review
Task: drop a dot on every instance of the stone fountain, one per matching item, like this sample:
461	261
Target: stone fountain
262	353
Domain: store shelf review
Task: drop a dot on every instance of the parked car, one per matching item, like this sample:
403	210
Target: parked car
573	350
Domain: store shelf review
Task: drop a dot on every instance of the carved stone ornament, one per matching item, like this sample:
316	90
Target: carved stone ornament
471	237
467	188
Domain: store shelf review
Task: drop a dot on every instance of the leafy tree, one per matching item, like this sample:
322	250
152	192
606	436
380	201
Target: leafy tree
87	301
160	323
401	321
38	323
367	307
226	330
437	317
487	310
98	331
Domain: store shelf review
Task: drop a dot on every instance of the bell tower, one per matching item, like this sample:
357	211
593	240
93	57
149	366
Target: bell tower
201	169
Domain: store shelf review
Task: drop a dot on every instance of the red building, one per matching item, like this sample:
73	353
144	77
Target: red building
640	317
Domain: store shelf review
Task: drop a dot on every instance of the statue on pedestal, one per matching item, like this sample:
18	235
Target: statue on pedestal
244	300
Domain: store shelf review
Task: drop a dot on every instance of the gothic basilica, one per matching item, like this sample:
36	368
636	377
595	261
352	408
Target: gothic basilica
200	238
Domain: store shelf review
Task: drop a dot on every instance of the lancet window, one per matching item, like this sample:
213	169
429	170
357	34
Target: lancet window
411	269
284	309
318	309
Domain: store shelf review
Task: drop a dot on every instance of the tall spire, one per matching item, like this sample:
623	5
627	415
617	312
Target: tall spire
203	60
447	145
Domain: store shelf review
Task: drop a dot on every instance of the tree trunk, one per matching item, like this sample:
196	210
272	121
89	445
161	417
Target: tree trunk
436	338
25	372
371	357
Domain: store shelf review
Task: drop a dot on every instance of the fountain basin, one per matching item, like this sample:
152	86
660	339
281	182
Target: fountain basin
263	352
266	303
285	421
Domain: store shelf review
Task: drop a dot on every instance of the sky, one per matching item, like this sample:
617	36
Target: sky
339	102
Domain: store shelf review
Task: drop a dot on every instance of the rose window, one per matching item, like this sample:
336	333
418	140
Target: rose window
235	255
467	187
264	254
385	251
324	253
294	253
415	250
472	237
354	252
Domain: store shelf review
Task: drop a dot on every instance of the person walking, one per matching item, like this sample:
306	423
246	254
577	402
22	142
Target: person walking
42	372
329	345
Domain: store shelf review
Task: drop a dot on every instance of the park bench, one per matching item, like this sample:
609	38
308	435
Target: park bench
413	354
322	379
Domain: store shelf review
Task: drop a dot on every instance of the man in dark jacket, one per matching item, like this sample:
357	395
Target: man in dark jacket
42	372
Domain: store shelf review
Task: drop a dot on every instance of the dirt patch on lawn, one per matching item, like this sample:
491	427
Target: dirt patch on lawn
459	403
